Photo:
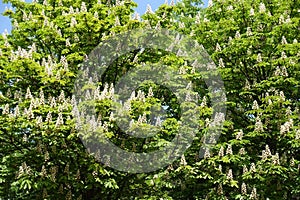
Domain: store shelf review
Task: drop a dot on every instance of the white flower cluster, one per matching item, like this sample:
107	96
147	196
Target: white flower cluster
239	135
244	188
275	159
23	53
229	174
229	150
252	167
266	153
255	105
285	128
258	125
106	93
262	8
149	9
281	71
253	194
24	169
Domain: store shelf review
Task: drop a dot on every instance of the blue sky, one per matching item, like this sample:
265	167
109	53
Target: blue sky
142	4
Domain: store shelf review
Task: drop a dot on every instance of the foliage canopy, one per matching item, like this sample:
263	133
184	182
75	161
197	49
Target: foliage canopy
255	46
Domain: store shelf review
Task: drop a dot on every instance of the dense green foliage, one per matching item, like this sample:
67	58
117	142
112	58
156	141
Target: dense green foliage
255	46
